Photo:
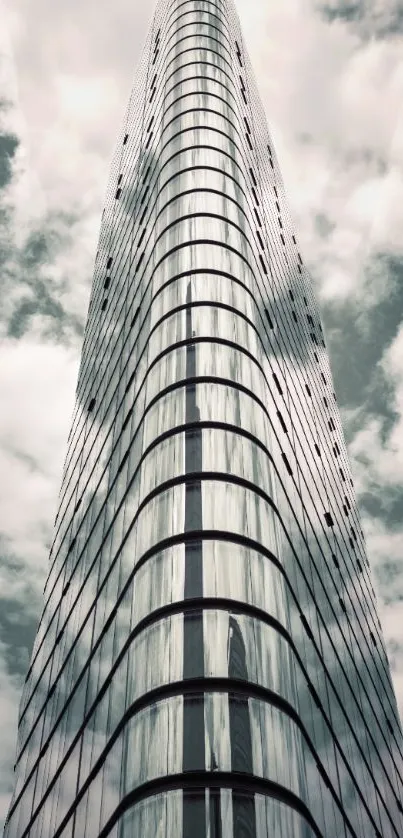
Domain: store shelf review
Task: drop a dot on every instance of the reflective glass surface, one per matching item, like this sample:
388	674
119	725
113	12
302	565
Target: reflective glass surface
209	661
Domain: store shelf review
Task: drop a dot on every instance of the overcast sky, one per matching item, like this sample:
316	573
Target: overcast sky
331	78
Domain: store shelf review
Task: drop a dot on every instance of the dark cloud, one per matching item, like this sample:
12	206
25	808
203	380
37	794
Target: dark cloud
8	147
369	19
369	331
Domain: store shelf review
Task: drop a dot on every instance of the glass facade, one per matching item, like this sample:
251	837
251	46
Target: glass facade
209	661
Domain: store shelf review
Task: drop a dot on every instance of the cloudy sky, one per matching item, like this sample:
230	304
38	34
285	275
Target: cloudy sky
331	78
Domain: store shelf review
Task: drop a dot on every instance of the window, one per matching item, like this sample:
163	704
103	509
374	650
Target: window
286	463
315	355
107	282
255	198
317	449
126	137
149	126
152	94
141	237
342	606
252	174
323	378
257	216
313	337
109	262
359	565
282	239
305	301
282	423
280	223
294	239
329	520
309	319
104	304
299	269
262	262
308	389
291	294
135	316
146	173
275	191
118	194
342	475
372	638
246	125
278	207
91	404
244	96
335	561
271	163
143	215
345	510
139	262
277	383
260	240
269	320
325	401
294	316
149	139
120	179
249	142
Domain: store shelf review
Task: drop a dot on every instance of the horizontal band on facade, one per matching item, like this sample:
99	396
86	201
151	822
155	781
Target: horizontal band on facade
194	782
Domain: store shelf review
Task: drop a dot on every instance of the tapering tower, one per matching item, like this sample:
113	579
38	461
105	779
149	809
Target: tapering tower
209	661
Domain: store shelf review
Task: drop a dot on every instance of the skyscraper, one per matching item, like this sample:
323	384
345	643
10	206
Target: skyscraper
209	661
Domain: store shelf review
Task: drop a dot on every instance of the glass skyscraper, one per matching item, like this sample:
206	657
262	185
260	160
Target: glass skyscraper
209	661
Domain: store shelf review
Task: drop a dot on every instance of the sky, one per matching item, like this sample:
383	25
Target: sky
331	78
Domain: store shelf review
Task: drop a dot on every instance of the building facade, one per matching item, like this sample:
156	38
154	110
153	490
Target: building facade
209	661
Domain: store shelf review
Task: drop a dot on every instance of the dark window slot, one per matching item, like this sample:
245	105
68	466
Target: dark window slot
118	194
323	378
277	383
127	420
262	262
345	510
275	191
359	565
291	294
269	320
149	140
308	389
315	355
120	179
294	239
155	57
294	316
329	520
92	404
255	198
154	80
335	561
299	269
389	725
137	312
342	475
72	544
282	239
325	401
152	94
269	150
286	463
257	216
278	207
306	626
144	196
309	319
252	174
77	506
373	638
246	124
299	258
342	606
271	163
147	172
331	424
149	126
317	701
141	237
244	97
317	449
282	423
260	240
347	502
305	300
314	339
107	282
140	261
109	262
249	142
126	137
104	304
353	533
280	223
143	214
125	458
158	34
